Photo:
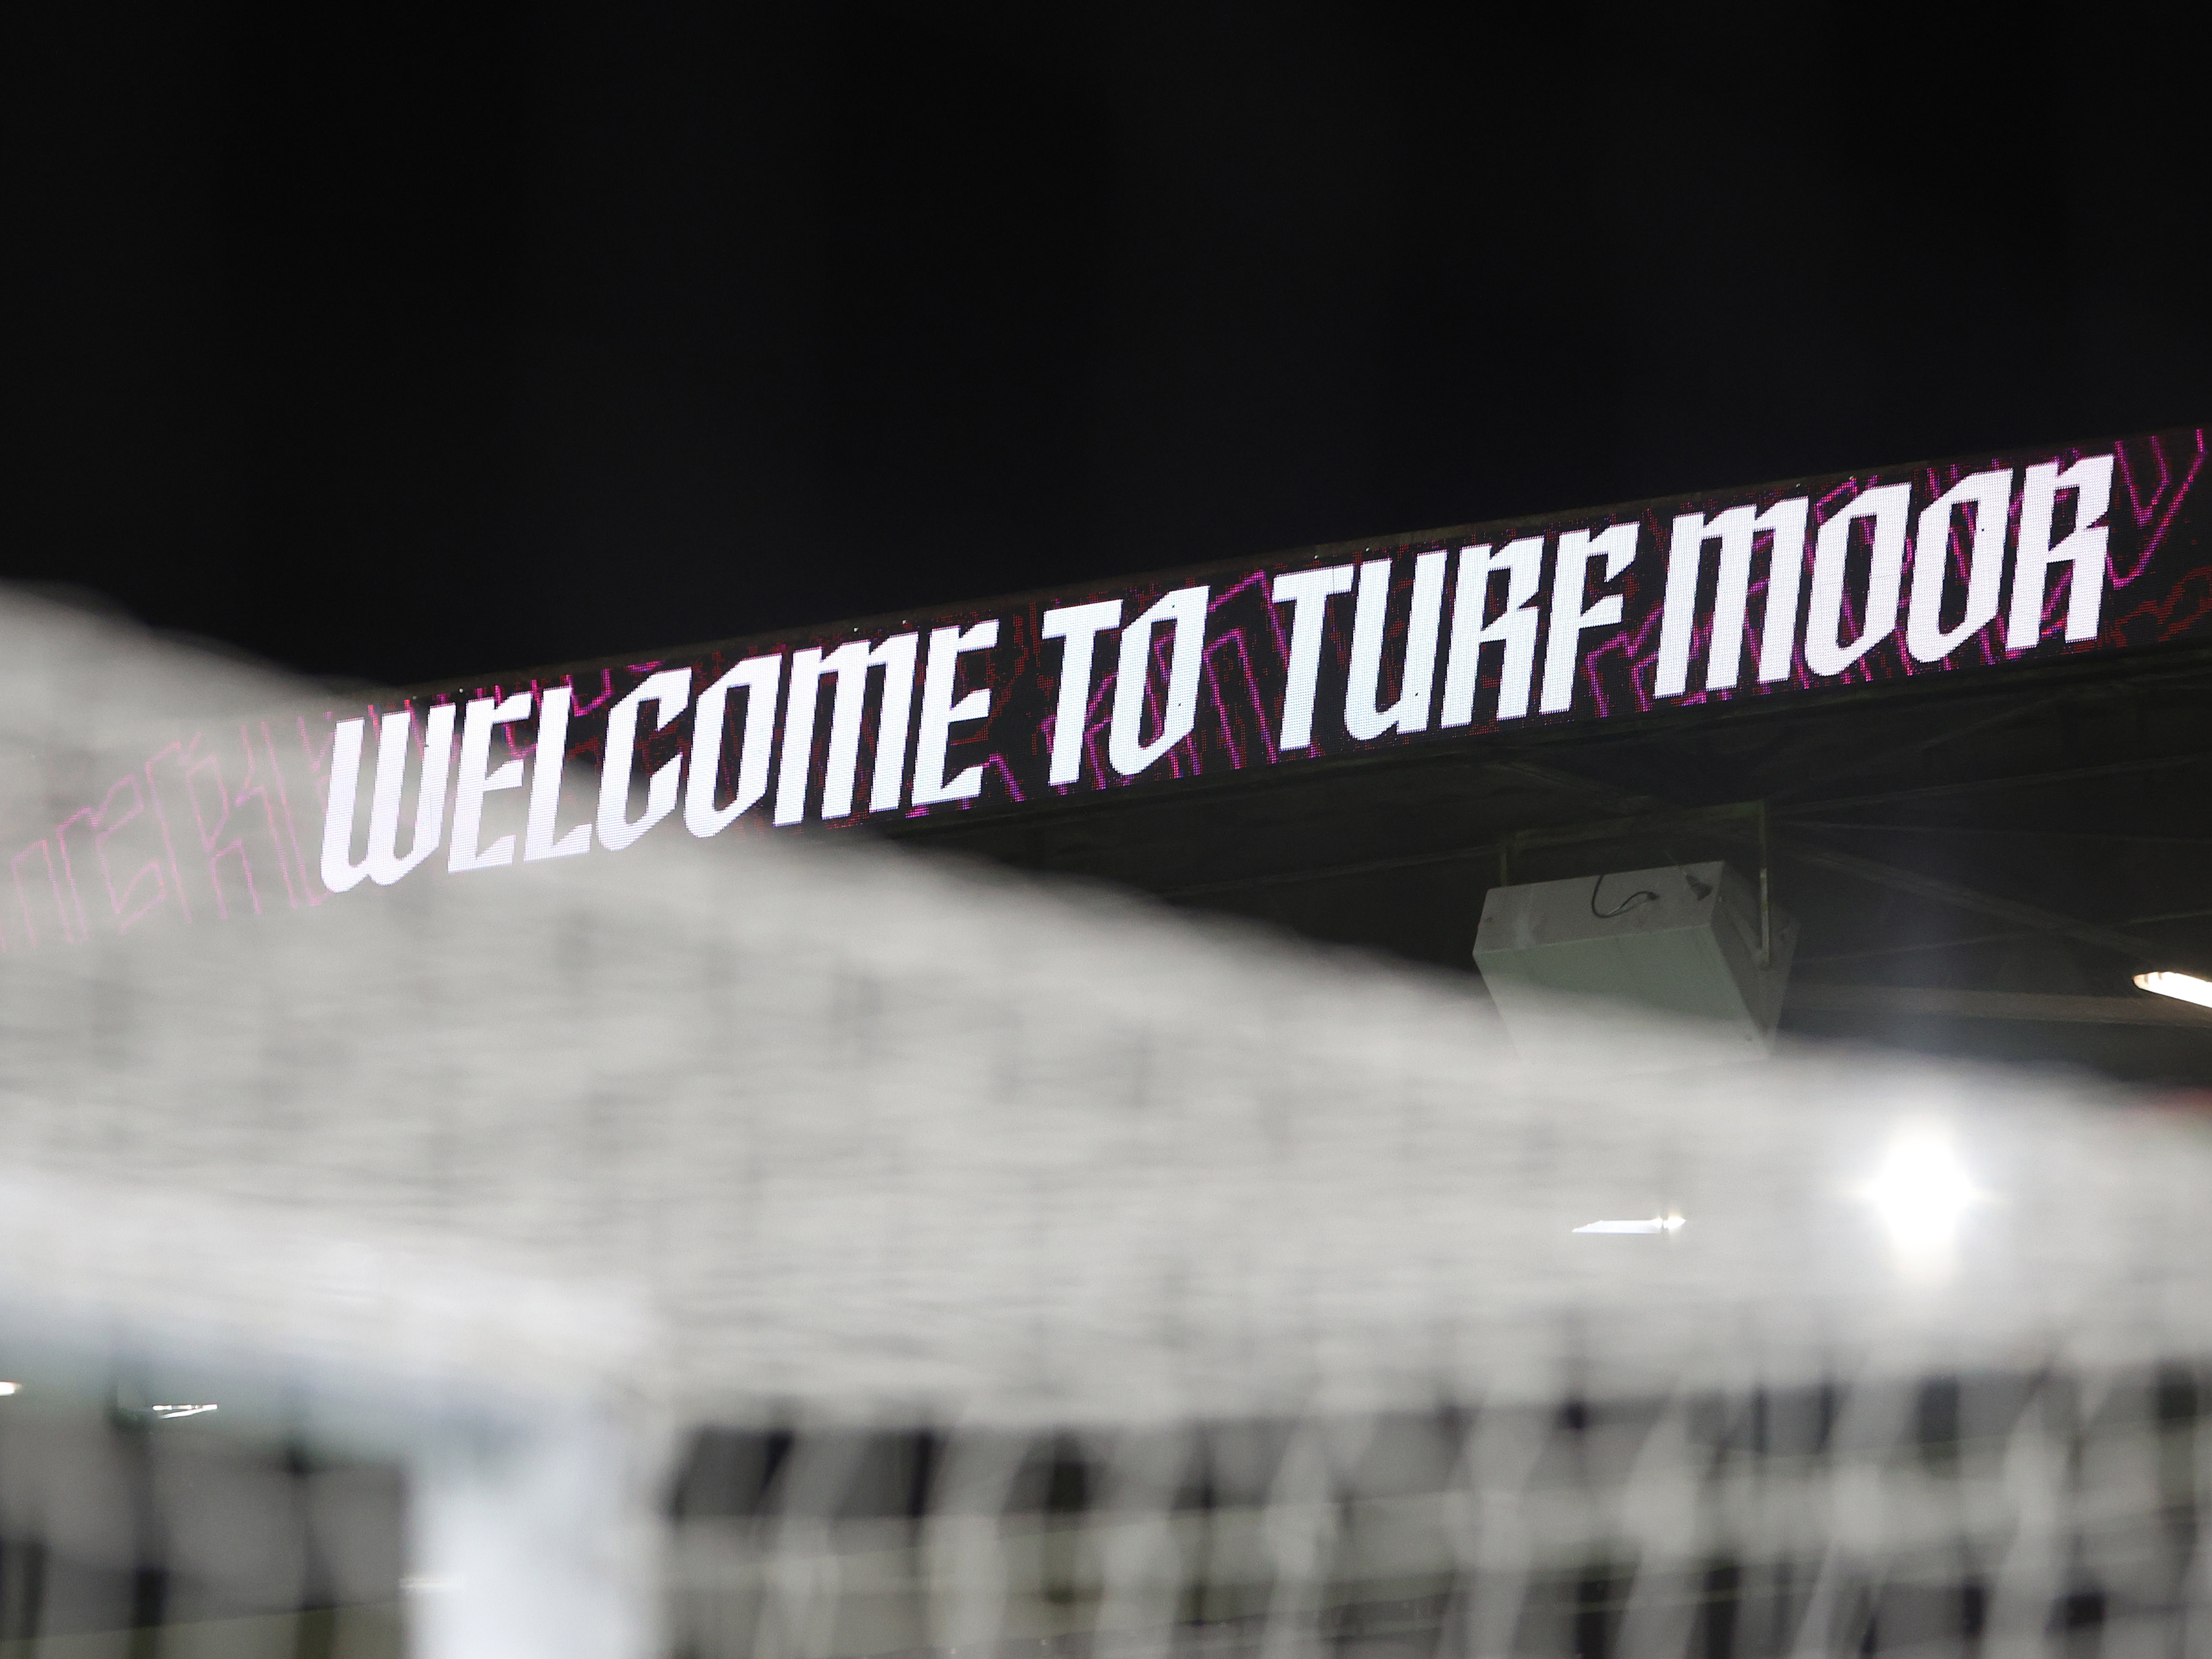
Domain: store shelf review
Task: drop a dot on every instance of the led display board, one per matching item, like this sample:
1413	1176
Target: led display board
1788	590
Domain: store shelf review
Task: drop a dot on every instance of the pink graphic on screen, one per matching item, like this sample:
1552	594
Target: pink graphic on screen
224	821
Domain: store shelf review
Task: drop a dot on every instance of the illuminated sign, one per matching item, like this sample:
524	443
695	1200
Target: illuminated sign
1788	590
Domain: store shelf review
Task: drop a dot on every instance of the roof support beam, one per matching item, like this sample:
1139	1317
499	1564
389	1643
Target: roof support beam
1647	814
1942	1001
1898	879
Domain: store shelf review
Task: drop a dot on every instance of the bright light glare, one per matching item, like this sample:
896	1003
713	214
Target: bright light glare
166	1411
2187	987
10	1388
1656	1225
1921	1191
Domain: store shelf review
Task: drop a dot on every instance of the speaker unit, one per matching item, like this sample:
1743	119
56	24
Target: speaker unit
1570	964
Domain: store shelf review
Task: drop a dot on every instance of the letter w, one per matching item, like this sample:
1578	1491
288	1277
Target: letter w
384	864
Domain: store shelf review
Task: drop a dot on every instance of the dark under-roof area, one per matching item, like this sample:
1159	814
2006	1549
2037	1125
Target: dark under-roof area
1978	865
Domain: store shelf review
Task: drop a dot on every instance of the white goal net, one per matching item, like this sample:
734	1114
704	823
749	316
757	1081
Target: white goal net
761	1250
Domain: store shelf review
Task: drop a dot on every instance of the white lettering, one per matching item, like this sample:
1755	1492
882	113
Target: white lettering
1306	592
895	656
760	678
340	873
1080	626
383	865
850	663
807	668
1737	530
669	691
1570	620
940	713
1825	651
1185	610
1989	494
2084	548
537	842
1514	628
1362	718
476	782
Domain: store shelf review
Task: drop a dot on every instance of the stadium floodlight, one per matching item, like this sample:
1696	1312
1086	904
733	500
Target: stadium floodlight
1921	1191
2186	986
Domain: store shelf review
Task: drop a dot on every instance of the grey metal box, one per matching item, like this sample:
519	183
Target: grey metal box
1680	941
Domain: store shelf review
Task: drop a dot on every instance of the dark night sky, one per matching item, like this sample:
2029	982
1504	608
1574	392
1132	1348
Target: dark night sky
406	347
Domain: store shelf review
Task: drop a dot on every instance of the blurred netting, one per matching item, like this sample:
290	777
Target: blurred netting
2029	1512
753	1248
122	1532
2023	1513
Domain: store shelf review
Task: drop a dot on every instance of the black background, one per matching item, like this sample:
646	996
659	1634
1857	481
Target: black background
411	344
